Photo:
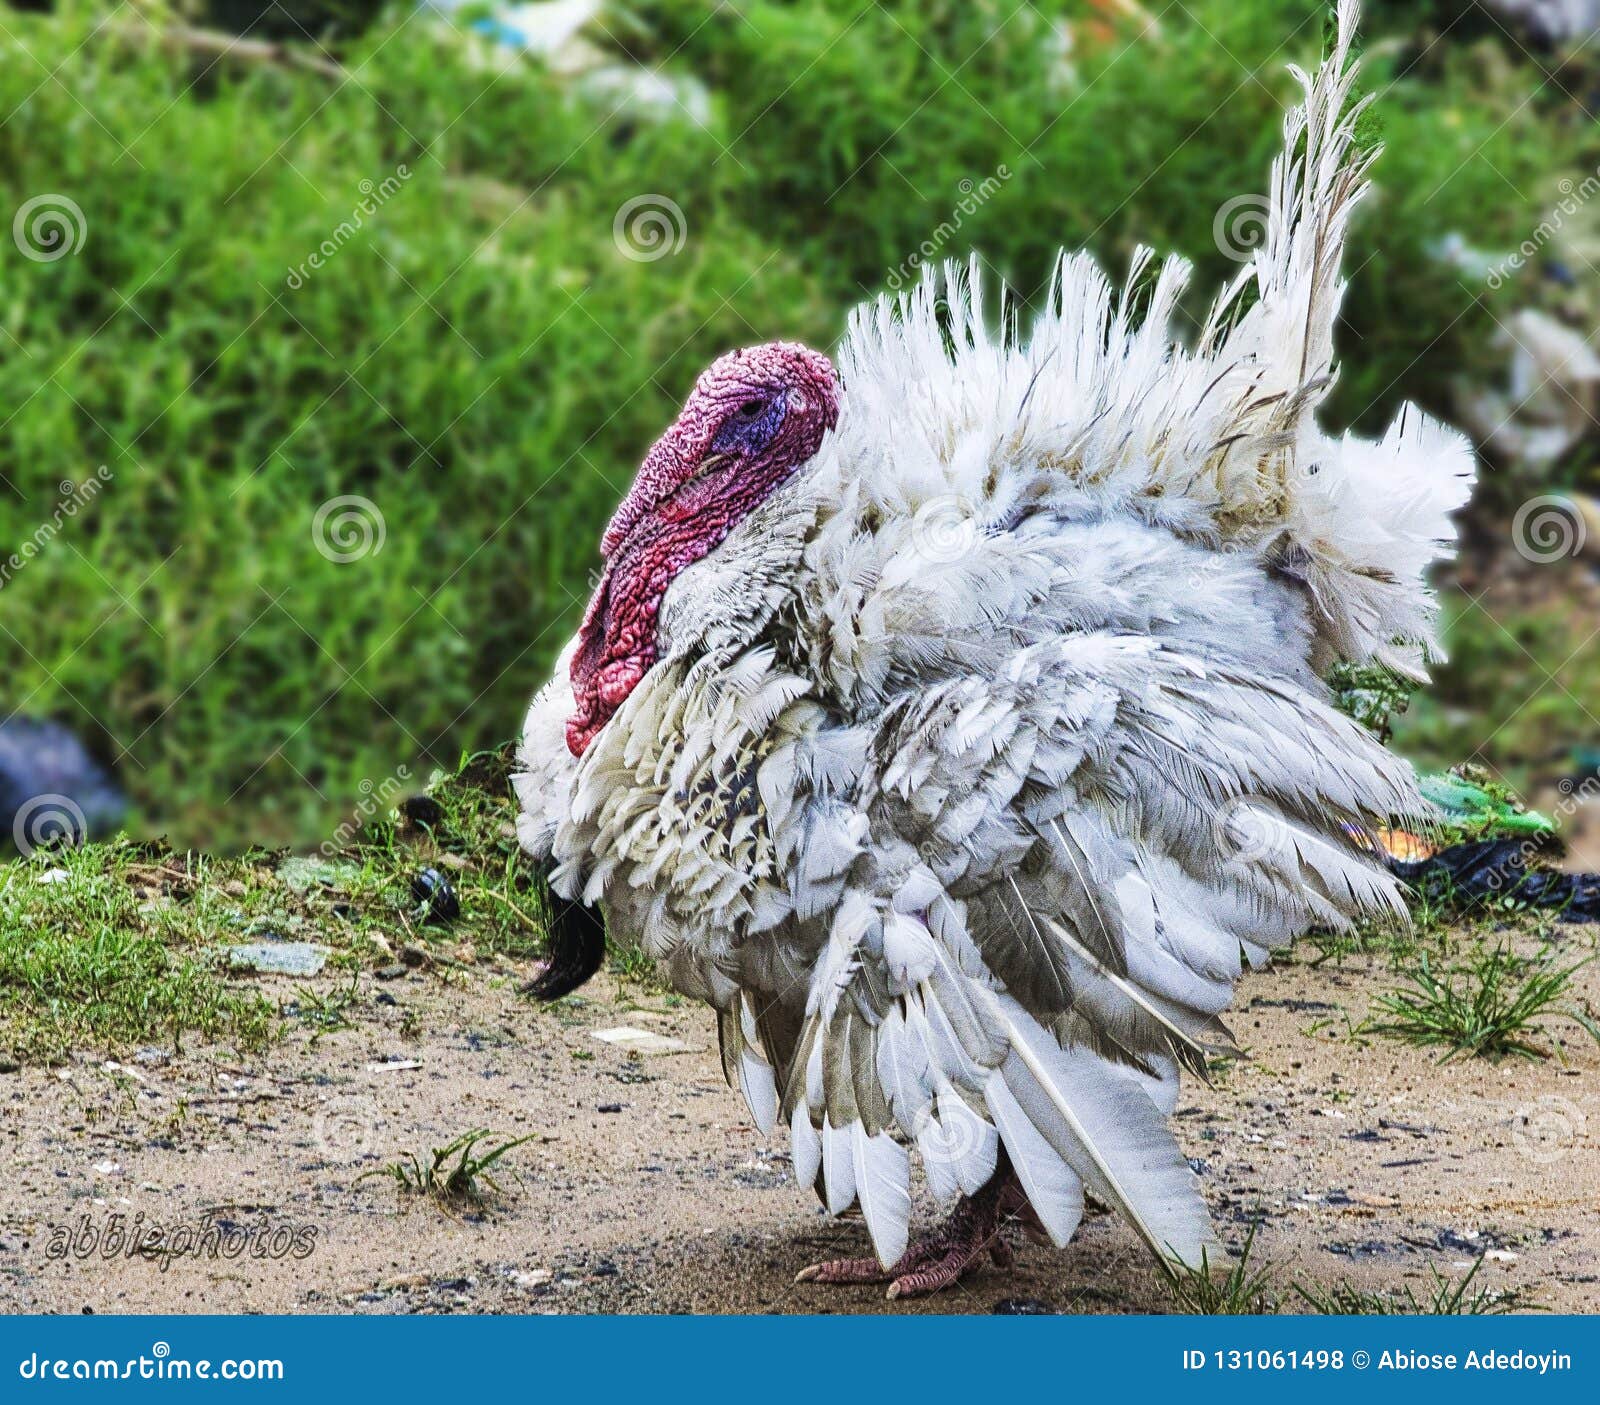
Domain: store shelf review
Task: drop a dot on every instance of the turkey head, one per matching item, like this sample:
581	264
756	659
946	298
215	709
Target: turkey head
754	418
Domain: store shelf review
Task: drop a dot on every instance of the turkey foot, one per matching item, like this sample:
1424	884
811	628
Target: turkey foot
943	1256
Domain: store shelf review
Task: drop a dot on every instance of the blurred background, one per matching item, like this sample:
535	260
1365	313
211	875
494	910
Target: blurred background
331	331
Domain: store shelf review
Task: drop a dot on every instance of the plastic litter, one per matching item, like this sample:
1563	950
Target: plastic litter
52	791
1487	849
1478	812
643	1041
278	958
1549	22
1495	870
1549	401
577	40
438	898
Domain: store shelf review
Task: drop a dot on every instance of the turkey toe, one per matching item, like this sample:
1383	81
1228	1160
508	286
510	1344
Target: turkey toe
942	1257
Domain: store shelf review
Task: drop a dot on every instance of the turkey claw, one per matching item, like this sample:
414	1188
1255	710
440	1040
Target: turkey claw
935	1261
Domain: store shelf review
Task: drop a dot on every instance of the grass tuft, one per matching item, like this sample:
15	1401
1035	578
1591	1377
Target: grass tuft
1244	1290
453	1175
1491	1007
1444	1297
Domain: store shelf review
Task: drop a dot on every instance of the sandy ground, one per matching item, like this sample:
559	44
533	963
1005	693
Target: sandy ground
646	1189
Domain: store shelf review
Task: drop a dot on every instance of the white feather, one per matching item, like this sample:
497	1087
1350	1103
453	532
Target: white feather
805	1147
1108	1129
1053	1188
882	1177
760	1090
838	1168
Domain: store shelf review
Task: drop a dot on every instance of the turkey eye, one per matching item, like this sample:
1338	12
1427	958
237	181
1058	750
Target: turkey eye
751	409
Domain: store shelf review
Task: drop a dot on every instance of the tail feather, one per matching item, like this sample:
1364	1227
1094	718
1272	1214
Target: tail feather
1218	443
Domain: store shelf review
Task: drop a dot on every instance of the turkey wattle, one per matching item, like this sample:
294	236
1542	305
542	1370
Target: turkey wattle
953	726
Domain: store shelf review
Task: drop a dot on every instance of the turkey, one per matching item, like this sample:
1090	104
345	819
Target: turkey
952	723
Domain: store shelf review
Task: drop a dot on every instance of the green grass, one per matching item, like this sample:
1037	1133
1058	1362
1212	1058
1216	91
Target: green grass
87	961
1244	1290
130	946
1250	1288
1435	923
1493	1005
454	1175
1443	1297
326	1012
483	366
1516	694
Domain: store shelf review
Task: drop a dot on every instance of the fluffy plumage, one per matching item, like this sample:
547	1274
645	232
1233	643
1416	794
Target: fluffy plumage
971	763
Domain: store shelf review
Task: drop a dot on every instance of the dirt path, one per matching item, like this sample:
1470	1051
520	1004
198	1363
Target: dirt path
645	1188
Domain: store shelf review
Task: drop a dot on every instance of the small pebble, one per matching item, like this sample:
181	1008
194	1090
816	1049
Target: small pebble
390	973
609	1107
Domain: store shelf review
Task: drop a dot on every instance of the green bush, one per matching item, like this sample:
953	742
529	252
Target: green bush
479	361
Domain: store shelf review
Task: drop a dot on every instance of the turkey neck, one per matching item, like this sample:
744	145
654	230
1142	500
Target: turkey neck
618	643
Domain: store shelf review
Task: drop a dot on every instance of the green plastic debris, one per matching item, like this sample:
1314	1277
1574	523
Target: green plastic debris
1480	810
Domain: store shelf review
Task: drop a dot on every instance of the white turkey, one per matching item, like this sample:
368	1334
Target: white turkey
952	725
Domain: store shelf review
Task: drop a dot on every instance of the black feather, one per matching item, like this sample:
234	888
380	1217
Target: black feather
577	949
